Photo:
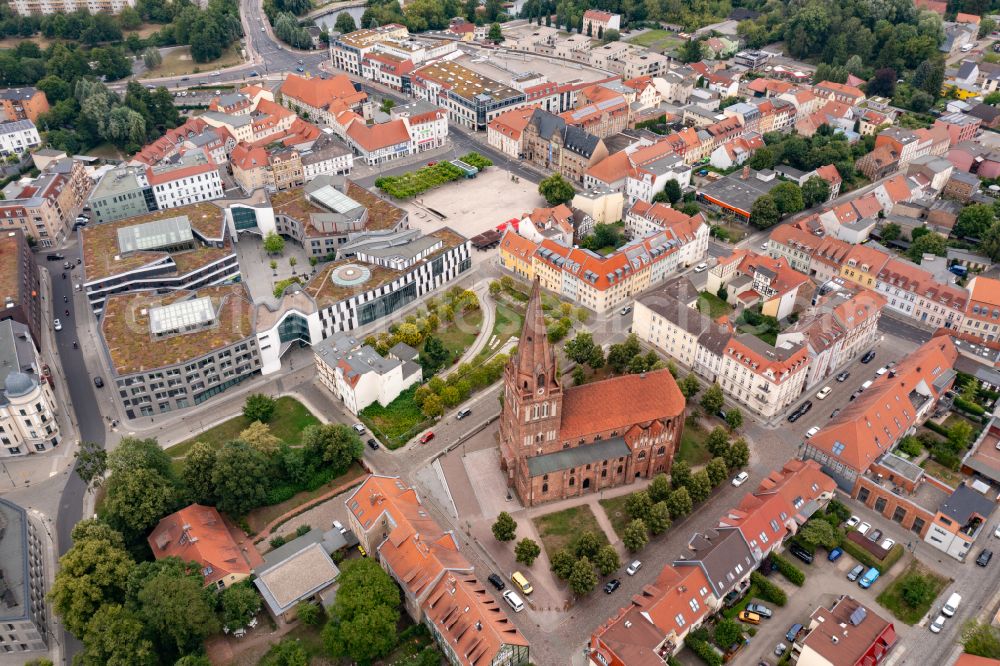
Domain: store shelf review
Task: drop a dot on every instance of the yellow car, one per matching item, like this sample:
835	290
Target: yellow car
522	583
748	617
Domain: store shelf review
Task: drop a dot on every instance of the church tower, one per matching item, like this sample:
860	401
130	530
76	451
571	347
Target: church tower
532	397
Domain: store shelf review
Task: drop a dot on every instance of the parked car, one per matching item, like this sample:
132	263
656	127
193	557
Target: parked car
513	601
853	574
496	581
740	479
869	578
888	544
805	407
98	382
612	585
779	649
835	554
823	392
812	431
54	257
700	268
748	617
842	377
633	568
855	395
853	521
521	582
881	371
793	632
801	553
834	413
339	526
938	624
373	444
996	532
56	324
867	358
863	528
462	413
358	428
759	609
427	436
625	310
984	557
794	416
874	535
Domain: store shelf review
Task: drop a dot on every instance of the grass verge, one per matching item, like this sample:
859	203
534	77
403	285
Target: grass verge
713	305
924	587
559	529
692	447
179	61
614	509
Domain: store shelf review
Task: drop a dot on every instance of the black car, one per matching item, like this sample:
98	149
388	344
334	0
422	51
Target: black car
984	558
801	553
794	416
54	257
373	444
842	377
496	581
98	382
834	413
462	413
805	407
855	395
867	358
612	585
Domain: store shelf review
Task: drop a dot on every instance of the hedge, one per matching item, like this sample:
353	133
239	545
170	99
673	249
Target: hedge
705	651
867	559
970	407
788	570
936	427
768	590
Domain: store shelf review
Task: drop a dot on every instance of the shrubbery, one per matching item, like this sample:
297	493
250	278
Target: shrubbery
768	590
969	407
788	570
412	183
869	560
704	650
476	160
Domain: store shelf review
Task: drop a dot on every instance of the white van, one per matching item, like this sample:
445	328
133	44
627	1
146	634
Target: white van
951	605
510	596
864	387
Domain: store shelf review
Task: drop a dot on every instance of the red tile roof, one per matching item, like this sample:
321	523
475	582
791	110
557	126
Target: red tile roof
512	123
320	93
839	89
869	426
198	534
829	173
246	156
650	396
383	135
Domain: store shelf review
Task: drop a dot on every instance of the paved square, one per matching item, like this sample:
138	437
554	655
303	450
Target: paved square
483	470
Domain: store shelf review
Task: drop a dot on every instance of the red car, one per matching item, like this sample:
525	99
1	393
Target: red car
428	436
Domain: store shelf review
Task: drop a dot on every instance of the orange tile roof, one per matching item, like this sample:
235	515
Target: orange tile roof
966	659
745	349
867	206
897	189
611	169
512	123
382	135
596	269
829	173
962	17
517	245
320	93
858	309
681	226
867	258
840	89
985	290
869	426
246	156
650	397
791	236
913	278
212	546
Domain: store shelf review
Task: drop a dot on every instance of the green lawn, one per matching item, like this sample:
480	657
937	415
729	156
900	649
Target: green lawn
713	305
558	530
649	38
506	324
179	61
398	422
614	509
461	333
290	418
937	470
693	444
892	596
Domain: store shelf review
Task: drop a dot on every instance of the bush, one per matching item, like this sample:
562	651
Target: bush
416	182
476	160
867	559
302	529
936	427
705	651
277	542
768	590
838	509
911	446
259	407
788	570
968	407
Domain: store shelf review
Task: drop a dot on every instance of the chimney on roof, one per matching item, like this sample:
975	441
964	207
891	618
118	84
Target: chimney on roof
746	173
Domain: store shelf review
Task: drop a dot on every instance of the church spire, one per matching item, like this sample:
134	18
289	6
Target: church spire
536	362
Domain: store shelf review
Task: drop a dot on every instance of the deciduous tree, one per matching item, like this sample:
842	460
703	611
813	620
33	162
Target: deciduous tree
241	478
363	617
259	407
679	503
505	527
197	471
556	190
606	560
635	537
526	551
582	578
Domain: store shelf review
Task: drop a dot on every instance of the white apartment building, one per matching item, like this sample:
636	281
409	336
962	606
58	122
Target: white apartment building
916	294
347	51
669	319
192	179
690	232
359	376
45	7
27	415
763	378
18	137
427	123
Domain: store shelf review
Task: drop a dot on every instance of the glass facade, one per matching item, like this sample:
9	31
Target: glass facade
385	305
294	327
244	218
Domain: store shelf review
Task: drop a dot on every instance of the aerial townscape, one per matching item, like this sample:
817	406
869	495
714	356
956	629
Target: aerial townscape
499	333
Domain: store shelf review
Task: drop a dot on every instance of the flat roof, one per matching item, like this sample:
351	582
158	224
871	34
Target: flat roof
300	576
326	291
103	257
182	315
118	181
127	316
14	555
165	232
467	83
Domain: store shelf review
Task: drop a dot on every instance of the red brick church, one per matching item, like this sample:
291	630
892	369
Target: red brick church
557	443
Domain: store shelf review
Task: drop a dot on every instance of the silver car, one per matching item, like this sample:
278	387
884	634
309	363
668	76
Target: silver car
938	624
855	572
